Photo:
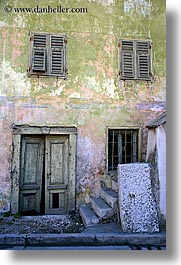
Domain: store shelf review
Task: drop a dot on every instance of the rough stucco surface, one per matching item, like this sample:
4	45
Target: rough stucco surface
137	205
161	149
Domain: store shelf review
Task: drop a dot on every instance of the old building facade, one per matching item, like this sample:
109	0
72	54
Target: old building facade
78	81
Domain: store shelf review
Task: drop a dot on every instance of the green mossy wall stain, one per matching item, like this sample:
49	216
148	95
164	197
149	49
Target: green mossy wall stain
92	44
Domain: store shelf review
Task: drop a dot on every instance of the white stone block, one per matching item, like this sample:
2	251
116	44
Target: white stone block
136	201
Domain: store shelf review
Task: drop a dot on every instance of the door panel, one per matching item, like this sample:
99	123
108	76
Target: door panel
47	177
32	150
56	165
56	174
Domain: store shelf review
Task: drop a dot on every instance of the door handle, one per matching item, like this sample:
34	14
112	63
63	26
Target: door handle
48	175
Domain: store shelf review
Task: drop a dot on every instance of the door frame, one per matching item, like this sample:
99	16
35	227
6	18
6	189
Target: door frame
32	130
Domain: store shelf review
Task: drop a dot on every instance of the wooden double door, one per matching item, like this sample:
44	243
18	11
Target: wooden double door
44	174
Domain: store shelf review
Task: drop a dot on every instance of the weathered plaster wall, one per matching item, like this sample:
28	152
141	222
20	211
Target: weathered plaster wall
92	97
152	158
156	156
161	145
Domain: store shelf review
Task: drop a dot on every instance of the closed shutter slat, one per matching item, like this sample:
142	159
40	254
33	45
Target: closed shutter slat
127	46
57	50
57	62
39	40
39	52
57	42
128	64
143	60
38	60
127	59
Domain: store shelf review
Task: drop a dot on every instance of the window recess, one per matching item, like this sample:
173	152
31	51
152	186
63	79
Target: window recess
135	60
123	147
48	55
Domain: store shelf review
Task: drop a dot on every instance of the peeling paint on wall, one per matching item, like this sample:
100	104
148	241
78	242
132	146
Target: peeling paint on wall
13	82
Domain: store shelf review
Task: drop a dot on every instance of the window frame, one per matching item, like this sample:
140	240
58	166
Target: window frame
48	50
138	129
138	53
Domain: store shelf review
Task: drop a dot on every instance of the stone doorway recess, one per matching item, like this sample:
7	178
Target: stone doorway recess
43	169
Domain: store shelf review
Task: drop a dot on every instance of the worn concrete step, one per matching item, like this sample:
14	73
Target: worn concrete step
89	218
114	184
110	196
101	208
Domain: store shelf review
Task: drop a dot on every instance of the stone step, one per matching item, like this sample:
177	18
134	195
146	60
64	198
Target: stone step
101	208
110	196
88	216
114	184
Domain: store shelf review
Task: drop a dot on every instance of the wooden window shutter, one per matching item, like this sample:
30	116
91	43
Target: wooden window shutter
47	55
39	45
58	55
135	60
143	60
127	60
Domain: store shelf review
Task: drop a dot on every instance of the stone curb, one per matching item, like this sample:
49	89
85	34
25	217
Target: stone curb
131	239
97	239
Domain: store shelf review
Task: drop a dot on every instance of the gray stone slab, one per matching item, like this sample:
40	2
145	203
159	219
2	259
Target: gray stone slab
104	228
60	239
131	239
12	240
110	196
115	185
89	218
137	204
101	208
